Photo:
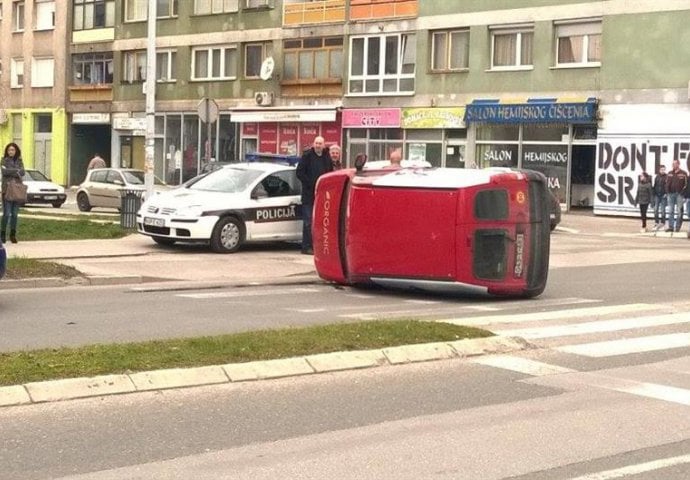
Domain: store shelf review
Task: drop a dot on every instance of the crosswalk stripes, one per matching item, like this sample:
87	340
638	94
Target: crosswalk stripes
627	346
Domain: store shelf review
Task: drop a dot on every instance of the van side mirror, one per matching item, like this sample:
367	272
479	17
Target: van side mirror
360	161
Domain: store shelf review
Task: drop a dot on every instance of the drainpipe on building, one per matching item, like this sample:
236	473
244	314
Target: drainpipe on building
150	100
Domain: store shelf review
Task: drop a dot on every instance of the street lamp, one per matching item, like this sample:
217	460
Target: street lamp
150	99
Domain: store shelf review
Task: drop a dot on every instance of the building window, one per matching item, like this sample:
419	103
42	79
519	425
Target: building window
91	14
206	7
254	55
136	10
214	63
18	16
45	15
511	49
166	66
313	59
92	68
17	73
450	50
258	3
578	43
166	8
42	70
134	66
382	64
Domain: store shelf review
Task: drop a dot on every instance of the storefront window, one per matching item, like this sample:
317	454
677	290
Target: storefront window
498	132
552	161
455	156
173	155
545	133
227	139
497	155
190	145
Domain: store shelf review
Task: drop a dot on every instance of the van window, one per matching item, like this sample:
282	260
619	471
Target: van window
491	205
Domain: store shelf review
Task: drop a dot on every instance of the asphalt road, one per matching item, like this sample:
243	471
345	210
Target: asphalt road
605	395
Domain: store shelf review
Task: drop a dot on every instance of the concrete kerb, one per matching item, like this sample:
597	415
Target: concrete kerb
75	388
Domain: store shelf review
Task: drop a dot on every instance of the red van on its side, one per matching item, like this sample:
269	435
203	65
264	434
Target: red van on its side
438	229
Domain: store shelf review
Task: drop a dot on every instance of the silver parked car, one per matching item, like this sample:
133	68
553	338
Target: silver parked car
103	187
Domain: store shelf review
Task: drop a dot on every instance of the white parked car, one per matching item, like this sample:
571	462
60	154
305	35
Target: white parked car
244	202
103	187
39	189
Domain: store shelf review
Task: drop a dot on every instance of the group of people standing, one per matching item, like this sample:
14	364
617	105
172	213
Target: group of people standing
668	195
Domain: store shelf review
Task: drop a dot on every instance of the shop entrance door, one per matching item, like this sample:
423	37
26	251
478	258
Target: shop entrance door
43	152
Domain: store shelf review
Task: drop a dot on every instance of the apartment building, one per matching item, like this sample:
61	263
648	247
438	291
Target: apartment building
32	82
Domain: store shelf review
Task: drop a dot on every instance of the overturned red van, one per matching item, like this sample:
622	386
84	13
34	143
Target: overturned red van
446	230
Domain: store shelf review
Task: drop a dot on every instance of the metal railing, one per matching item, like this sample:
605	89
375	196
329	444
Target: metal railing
305	13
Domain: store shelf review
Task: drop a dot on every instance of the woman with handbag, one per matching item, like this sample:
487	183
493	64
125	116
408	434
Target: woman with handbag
13	190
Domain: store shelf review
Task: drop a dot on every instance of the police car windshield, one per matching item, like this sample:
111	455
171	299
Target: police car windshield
228	180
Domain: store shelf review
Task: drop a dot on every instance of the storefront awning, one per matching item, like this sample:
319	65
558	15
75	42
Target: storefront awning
534	110
283	115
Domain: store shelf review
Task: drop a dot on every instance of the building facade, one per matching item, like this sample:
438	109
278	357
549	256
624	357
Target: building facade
576	89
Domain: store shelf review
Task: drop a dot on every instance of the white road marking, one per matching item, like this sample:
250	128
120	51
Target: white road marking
422	302
627	346
631	470
521	365
598	327
551	315
248	293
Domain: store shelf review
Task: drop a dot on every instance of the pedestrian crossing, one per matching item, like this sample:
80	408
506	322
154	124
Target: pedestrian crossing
594	333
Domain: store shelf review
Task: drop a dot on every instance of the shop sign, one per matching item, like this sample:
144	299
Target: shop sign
250	129
621	159
307	134
331	133
371	118
129	123
433	117
537	112
288	140
284	116
90	118
268	138
552	161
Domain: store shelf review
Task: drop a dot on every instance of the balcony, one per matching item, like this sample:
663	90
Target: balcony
380	9
91	93
316	12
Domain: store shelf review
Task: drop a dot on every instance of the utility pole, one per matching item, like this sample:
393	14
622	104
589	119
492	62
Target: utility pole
150	100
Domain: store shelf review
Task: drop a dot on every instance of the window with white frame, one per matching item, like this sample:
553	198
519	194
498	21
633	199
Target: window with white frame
45	15
511	48
92	68
450	50
214	63
166	8
136	10
207	7
134	66
382	64
92	14
254	55
313	58
17	73
258	3
578	43
166	66
42	72
18	16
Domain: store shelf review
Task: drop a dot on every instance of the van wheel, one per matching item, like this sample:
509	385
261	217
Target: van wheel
83	202
227	236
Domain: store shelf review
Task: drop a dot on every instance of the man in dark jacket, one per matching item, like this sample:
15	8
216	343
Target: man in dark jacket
676	182
660	198
314	162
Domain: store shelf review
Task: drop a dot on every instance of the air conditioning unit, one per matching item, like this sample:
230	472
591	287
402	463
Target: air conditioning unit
263	98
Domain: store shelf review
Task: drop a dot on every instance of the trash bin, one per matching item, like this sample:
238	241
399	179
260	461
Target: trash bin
131	202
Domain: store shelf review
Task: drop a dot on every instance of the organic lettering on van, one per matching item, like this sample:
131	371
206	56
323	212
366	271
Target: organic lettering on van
326	223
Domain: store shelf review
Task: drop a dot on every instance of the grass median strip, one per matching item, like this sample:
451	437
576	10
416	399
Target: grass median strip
26	268
77	229
50	364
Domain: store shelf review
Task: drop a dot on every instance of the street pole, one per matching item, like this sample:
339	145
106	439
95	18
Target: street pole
150	100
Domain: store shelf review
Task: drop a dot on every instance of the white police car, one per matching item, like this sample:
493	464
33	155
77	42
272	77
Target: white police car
244	202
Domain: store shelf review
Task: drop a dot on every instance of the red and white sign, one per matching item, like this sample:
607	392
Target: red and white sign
288	140
268	138
307	133
250	129
331	133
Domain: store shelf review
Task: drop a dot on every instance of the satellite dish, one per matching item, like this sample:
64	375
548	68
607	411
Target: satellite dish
267	68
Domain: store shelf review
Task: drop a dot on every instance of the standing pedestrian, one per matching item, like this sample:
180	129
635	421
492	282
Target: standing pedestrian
676	181
335	153
96	162
686	200
315	162
395	158
12	170
660	198
644	196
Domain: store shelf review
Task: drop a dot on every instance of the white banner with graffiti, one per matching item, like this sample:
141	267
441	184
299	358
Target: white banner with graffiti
620	159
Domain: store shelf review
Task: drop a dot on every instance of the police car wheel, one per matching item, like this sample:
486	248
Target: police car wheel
228	235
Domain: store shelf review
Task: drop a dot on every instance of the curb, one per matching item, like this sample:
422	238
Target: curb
50	282
75	388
